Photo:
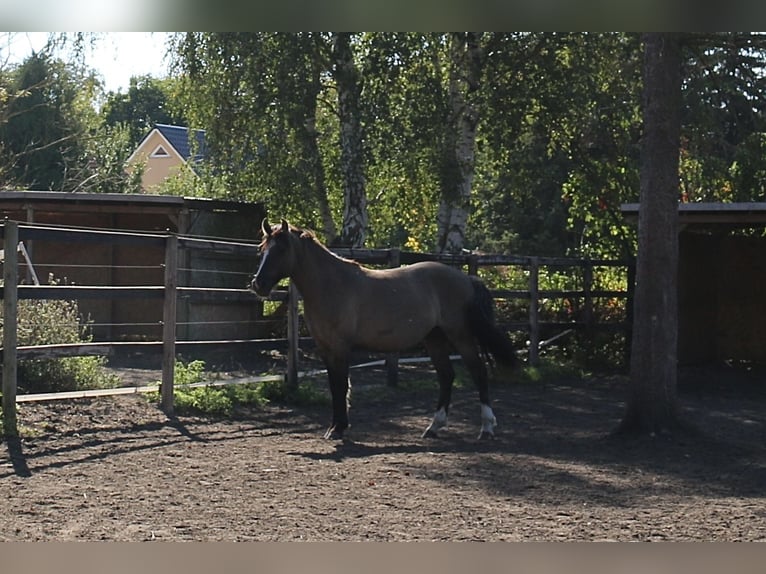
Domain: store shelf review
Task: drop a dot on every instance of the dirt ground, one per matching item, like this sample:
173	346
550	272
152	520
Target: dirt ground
116	468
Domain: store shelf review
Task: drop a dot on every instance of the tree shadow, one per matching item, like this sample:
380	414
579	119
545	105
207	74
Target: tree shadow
106	442
559	436
17	457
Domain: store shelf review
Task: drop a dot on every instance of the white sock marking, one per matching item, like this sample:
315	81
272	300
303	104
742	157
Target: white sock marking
440	421
488	420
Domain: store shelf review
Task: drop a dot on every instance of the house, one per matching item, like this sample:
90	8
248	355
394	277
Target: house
164	151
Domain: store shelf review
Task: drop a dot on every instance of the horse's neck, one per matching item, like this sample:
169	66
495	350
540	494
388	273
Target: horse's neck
319	270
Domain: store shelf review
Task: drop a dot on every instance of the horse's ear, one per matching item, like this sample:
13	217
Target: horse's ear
285	226
265	227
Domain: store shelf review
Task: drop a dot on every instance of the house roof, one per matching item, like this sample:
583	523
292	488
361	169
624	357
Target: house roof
178	137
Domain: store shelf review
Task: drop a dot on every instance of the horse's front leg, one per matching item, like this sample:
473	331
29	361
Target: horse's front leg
337	373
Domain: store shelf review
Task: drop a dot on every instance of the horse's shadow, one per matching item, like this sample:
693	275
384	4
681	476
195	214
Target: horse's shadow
349	449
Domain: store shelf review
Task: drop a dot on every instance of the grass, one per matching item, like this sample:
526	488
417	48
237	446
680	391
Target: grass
223	401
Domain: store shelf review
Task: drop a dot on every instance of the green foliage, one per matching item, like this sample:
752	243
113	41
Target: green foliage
44	122
549	369
223	400
257	95
43	322
101	165
306	393
557	141
147	102
723	116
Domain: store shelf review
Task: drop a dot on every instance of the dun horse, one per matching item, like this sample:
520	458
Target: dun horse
347	306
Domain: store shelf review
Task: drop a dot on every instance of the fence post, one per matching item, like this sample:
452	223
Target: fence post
629	310
534	301
392	359
10	316
169	325
473	264
587	280
293	334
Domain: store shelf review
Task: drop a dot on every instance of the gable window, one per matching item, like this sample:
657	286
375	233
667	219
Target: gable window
160	151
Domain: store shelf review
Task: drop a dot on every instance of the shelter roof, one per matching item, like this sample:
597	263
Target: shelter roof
711	215
117	202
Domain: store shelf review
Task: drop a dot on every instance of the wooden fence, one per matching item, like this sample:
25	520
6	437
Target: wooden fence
14	234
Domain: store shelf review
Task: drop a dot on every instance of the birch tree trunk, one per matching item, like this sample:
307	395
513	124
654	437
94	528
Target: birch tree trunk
465	67
349	85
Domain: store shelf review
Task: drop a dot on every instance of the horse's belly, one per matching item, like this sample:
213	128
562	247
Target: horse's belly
394	337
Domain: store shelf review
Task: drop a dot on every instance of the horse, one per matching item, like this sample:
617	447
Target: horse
348	306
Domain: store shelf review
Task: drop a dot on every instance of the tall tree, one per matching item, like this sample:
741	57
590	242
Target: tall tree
257	96
457	173
349	87
557	145
148	101
405	108
652	402
724	117
45	123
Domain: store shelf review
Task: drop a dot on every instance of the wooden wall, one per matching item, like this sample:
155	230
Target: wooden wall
722	301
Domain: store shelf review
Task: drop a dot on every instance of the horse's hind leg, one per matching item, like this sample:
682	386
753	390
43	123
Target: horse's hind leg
438	348
478	371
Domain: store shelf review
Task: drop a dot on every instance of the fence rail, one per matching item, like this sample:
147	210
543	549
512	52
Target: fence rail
170	292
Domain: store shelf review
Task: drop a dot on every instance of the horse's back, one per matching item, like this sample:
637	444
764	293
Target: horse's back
395	309
425	280
428	289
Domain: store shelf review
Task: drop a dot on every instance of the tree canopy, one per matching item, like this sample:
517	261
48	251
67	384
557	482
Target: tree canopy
515	142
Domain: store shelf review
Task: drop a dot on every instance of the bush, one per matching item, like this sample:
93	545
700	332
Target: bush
45	322
224	400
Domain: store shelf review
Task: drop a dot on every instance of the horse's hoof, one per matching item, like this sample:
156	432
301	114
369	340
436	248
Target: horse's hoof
486	435
333	434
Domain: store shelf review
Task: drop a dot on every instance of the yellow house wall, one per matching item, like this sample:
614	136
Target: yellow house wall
158	169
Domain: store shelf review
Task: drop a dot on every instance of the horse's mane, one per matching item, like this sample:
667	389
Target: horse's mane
302	233
305	234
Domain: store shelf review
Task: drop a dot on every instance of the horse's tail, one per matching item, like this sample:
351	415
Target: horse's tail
481	319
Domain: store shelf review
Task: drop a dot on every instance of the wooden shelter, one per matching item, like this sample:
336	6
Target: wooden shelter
721	279
118	265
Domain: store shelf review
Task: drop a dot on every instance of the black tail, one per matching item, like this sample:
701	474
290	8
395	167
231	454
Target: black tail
481	319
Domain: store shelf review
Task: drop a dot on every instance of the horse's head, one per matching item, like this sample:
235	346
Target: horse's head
277	258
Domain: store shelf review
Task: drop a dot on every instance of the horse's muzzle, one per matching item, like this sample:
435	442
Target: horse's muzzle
259	288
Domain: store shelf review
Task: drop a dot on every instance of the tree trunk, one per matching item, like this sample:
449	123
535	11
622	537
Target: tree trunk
652	402
349	87
465	67
311	155
316	170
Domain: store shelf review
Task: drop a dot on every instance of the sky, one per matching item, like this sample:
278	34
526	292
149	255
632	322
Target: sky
117	56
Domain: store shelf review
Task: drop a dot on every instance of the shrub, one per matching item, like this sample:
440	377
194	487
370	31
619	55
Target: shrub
224	400
45	322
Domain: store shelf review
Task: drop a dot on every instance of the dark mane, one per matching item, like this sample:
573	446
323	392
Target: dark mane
302	233
306	234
